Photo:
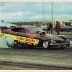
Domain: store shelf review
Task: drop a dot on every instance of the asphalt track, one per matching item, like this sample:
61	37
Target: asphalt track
37	58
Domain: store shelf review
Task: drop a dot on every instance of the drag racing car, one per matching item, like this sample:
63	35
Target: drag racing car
32	37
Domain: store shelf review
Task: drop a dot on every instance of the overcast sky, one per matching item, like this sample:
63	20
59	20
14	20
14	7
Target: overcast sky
35	11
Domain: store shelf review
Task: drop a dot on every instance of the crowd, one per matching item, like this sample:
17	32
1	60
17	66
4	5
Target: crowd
50	27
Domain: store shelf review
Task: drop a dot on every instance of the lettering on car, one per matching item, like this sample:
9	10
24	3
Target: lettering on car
21	38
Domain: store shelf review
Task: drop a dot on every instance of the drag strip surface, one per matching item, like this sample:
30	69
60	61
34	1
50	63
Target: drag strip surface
57	58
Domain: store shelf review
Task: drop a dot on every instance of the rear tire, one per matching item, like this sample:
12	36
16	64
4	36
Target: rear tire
9	42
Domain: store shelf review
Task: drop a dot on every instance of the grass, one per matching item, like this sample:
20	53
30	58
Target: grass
61	33
69	34
66	33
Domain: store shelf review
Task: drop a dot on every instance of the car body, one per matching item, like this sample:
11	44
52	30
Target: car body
4	25
31	36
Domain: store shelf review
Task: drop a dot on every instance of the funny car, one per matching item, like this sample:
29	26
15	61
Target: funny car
32	36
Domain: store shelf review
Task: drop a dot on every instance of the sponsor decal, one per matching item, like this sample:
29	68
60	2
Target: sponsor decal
1	34
21	39
27	40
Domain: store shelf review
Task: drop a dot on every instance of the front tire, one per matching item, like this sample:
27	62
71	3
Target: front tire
46	44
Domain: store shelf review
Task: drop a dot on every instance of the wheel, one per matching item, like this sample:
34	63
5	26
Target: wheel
17	45
45	44
10	42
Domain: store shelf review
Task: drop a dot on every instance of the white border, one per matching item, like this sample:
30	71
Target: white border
35	0
36	70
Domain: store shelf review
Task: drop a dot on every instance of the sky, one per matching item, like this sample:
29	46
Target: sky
35	11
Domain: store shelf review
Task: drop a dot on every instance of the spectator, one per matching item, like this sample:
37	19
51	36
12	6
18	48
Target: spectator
57	27
49	28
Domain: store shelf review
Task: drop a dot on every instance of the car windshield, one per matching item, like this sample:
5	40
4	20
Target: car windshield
35	30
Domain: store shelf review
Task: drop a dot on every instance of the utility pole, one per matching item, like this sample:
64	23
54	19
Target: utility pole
52	15
43	11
